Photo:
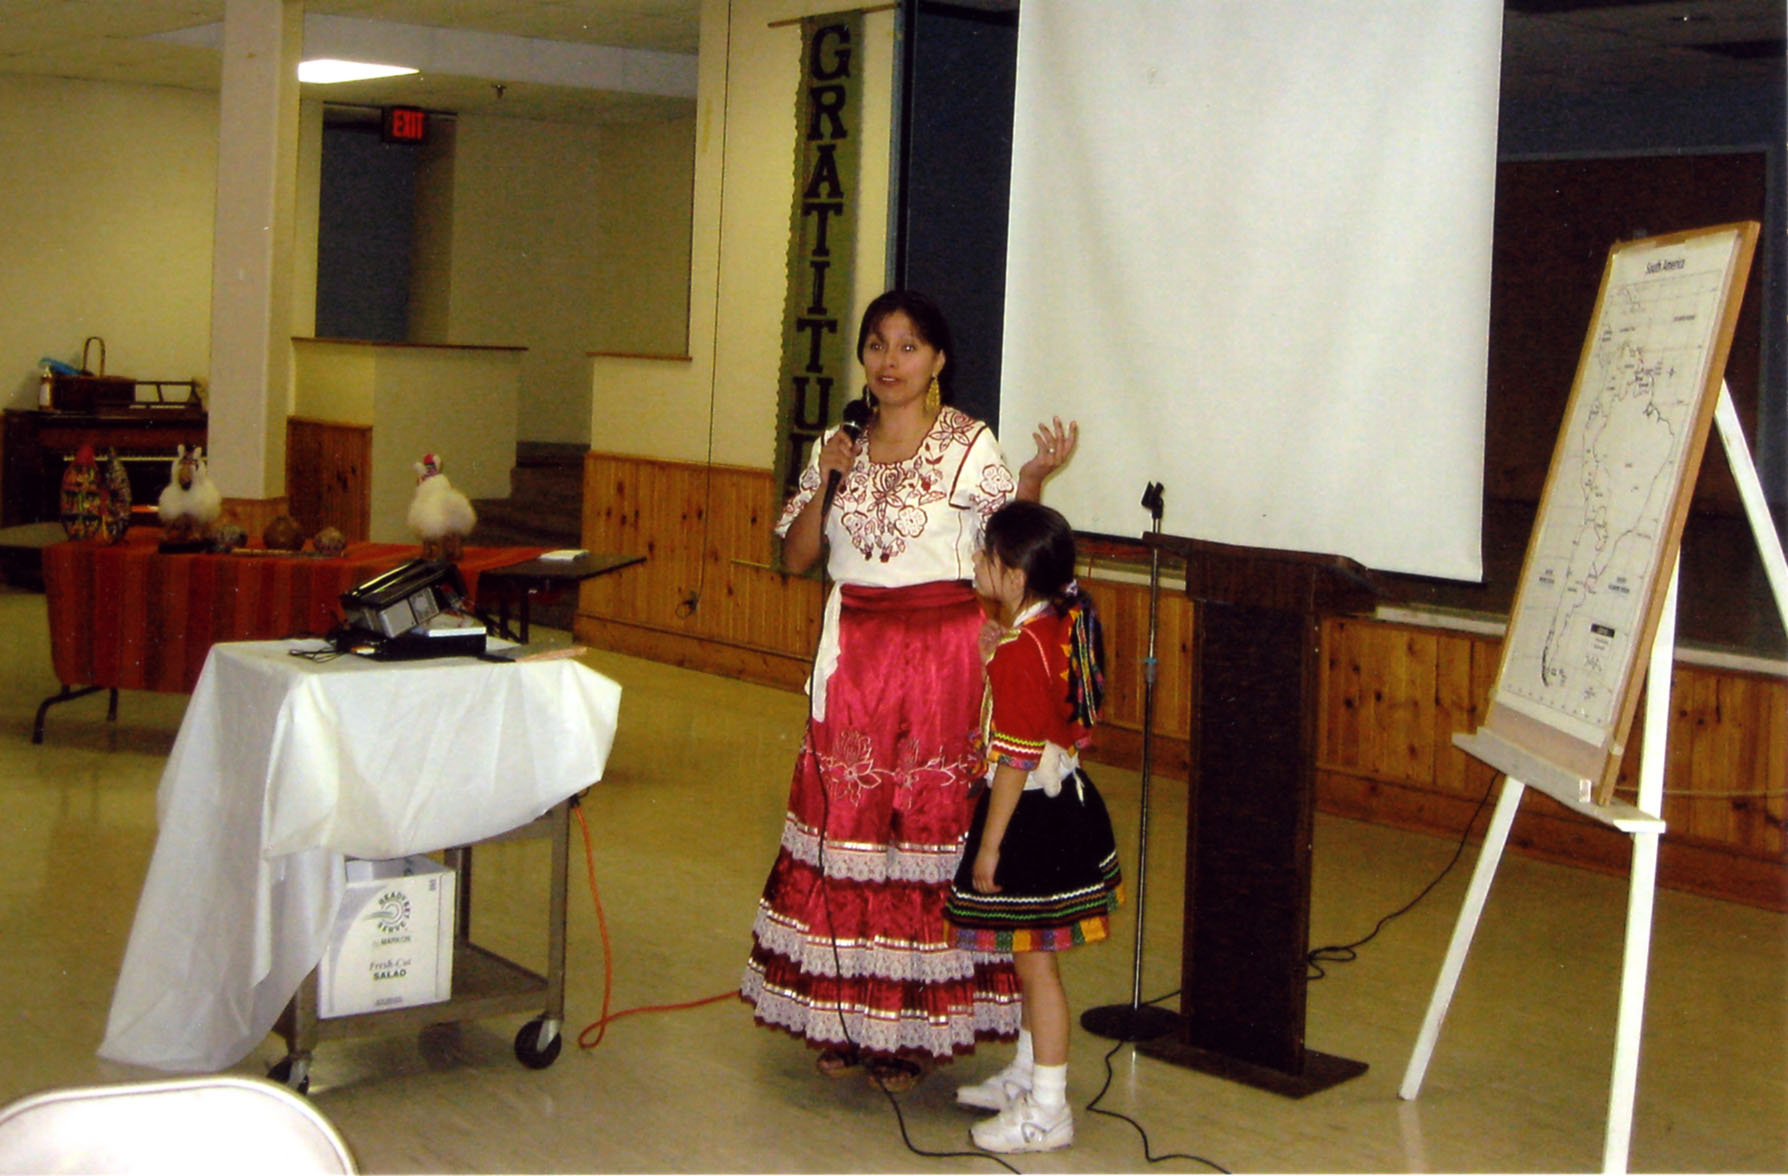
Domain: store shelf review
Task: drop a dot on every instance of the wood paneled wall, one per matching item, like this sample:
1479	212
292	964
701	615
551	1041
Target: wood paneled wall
329	476
1392	695
708	595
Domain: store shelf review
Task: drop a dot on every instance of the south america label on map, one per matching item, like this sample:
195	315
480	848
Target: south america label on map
1597	544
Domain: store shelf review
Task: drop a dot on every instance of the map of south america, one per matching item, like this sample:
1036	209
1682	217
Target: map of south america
1627	453
1622	454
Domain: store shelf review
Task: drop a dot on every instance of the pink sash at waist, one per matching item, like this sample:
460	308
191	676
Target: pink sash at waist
860	598
932	594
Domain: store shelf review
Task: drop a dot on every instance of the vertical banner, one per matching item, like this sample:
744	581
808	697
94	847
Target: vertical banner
817	341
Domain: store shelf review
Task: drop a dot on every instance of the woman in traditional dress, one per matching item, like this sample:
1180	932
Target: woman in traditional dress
850	950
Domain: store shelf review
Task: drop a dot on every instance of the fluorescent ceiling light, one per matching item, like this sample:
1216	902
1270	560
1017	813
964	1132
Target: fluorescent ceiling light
328	69
467	54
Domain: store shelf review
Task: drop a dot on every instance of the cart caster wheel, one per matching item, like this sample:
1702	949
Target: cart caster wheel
528	1049
291	1072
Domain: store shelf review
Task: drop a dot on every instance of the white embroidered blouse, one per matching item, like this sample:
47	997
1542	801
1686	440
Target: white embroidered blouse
893	524
911	522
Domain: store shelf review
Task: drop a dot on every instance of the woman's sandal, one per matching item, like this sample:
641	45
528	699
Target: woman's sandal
894	1075
837	1063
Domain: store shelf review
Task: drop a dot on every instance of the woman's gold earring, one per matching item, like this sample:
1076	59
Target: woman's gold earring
934	396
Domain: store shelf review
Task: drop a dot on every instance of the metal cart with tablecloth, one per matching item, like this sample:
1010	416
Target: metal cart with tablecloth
485	984
284	768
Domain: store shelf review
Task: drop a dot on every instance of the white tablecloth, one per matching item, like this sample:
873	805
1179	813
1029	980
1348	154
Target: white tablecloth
282	767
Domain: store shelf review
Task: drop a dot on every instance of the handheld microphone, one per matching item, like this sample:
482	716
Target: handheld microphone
856	419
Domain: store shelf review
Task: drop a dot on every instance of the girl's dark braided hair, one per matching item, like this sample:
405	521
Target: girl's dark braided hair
1038	541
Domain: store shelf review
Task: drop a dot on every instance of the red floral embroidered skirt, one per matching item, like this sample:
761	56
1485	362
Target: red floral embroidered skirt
850	945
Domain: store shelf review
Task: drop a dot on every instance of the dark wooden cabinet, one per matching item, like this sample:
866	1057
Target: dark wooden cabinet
36	446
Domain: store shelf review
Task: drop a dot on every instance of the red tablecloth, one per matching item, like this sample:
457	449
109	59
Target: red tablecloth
125	615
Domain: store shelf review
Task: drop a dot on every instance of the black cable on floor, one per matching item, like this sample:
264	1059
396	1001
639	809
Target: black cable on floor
844	1028
1345	953
1147	1153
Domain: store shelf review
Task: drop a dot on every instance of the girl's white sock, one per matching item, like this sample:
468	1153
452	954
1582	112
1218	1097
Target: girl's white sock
1024	1059
1049	1086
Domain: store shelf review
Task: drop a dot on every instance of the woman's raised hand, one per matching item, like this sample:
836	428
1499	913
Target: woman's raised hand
1055	445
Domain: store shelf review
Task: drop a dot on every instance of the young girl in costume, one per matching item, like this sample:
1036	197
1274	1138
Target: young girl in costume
1040	871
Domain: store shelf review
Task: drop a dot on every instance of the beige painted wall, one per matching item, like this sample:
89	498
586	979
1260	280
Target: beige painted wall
721	406
645	186
527	264
522	270
431	237
334	381
107	208
109	222
304	217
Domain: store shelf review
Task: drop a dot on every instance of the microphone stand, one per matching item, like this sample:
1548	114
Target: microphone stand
1137	1021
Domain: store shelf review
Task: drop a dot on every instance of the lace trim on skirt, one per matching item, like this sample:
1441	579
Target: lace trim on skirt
992	1016
869	862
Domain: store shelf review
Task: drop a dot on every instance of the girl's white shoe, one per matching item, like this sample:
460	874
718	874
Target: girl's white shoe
995	1093
1025	1127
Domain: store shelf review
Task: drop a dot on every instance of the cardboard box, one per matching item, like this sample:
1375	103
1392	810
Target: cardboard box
392	944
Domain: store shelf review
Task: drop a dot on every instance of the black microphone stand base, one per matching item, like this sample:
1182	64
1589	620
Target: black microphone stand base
1130	1022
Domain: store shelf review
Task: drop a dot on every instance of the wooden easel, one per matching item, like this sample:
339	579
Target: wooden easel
1579	773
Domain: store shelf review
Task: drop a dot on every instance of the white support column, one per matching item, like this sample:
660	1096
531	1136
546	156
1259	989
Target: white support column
252	249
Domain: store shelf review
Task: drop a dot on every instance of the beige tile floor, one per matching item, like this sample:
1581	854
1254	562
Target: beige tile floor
683	829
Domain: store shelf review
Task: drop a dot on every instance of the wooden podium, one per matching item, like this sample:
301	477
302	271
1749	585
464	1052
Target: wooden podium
1255	661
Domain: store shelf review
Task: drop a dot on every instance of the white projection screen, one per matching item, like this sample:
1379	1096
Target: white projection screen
1250	252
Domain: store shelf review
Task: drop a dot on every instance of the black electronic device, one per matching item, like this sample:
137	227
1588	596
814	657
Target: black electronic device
430	641
415	610
407	596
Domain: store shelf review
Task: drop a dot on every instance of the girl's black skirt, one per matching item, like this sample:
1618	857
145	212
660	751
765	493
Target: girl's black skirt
1058	874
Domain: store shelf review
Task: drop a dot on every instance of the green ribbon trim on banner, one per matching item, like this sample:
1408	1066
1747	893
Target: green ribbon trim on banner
817	340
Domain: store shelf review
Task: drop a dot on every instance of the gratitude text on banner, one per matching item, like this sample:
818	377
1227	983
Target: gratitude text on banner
817	338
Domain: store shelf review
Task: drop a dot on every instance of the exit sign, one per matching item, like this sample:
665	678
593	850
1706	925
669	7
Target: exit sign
404	124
